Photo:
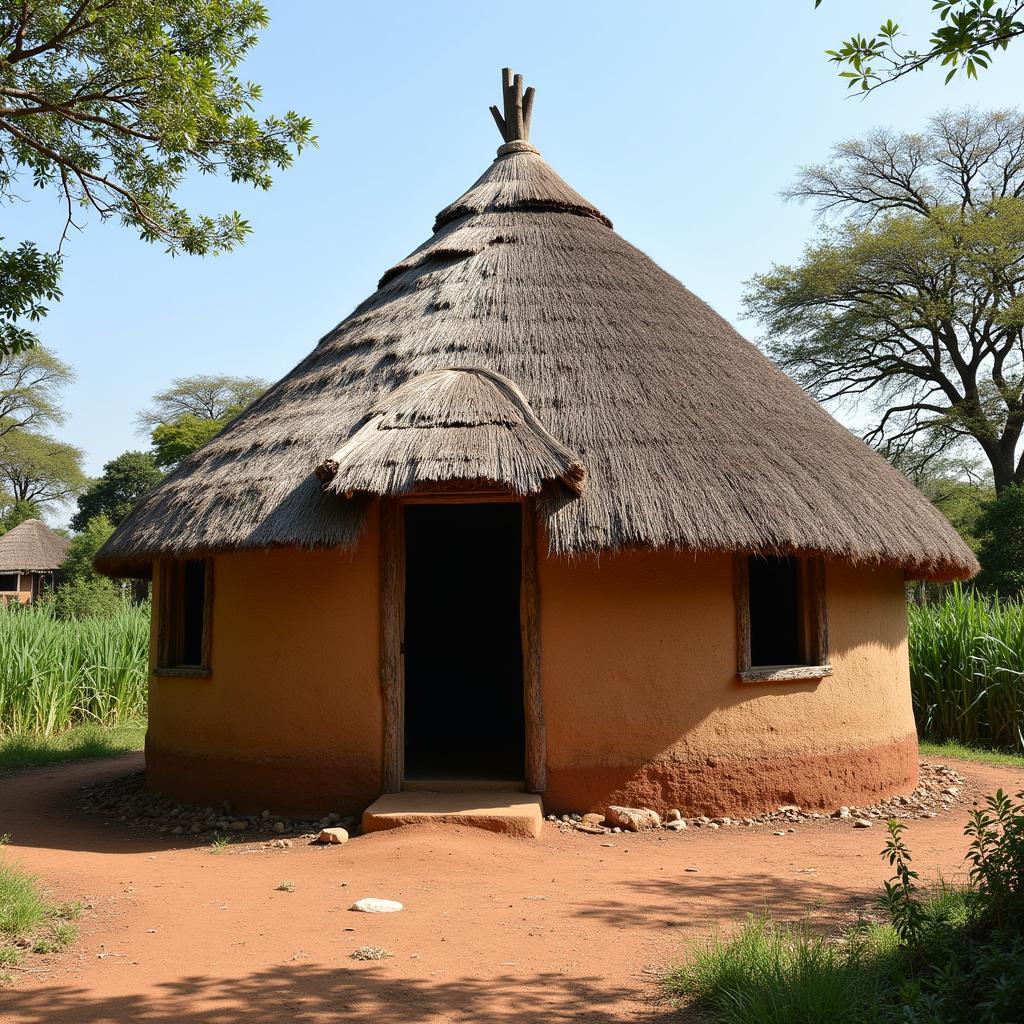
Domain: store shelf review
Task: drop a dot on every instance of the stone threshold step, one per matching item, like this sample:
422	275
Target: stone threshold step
514	814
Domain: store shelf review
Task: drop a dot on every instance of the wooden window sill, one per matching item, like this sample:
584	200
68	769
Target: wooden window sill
784	673
187	671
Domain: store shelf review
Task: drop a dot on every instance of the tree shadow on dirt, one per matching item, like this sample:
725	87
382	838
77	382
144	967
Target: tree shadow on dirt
670	903
306	994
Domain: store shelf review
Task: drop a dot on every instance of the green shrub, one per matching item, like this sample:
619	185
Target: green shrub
967	669
85	598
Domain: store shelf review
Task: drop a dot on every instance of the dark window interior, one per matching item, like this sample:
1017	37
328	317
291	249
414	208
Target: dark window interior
8	581
193	609
776	610
183	615
463	653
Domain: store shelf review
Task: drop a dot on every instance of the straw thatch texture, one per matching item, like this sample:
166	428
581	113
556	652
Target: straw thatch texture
453	424
692	439
31	547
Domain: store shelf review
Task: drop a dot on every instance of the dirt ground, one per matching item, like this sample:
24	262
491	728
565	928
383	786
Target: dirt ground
495	929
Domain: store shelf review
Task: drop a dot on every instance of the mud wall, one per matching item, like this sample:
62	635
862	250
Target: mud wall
643	704
290	717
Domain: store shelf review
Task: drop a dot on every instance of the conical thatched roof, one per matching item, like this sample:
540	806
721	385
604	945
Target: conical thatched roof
689	436
31	547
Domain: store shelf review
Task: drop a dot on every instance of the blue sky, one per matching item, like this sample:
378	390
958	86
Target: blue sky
681	121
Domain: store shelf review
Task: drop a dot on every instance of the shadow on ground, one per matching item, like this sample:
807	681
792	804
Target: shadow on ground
313	995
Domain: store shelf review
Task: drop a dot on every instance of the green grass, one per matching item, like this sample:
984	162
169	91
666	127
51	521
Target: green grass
77	744
967	670
767	973
28	920
963	752
58	673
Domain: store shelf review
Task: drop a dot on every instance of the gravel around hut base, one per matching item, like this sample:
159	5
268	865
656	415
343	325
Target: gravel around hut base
940	789
125	800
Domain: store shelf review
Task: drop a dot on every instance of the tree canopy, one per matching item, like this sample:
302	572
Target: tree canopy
39	469
30	386
110	104
14	513
124	481
965	37
203	396
172	442
913	301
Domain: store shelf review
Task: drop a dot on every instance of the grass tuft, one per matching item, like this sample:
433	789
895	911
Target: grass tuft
220	843
27	920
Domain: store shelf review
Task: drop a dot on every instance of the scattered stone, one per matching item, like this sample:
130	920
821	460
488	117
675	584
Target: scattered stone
789	809
693	869
333	836
239	825
843	812
372	905
862	823
673	815
593	819
277	827
782	833
677	825
632	819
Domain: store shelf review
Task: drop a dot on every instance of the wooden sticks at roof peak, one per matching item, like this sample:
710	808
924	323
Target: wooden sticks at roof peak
518	106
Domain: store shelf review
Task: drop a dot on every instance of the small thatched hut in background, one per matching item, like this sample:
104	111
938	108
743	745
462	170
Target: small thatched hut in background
543	518
29	556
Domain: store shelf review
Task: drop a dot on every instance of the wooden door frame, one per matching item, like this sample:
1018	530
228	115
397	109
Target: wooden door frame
392	631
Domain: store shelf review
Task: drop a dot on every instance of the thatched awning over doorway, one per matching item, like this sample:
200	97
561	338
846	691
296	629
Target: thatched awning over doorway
455	424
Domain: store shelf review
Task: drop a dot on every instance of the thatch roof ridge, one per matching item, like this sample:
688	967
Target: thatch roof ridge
692	438
465	423
31	547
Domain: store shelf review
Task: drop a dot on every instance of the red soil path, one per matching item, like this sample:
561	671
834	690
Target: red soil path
495	929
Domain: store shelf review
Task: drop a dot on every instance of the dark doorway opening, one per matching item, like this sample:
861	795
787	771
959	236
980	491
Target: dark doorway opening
464	716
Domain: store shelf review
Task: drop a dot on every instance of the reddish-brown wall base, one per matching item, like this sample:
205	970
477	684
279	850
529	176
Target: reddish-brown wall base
300	786
740	786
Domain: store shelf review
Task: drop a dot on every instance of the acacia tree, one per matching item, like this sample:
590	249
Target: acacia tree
110	104
204	396
39	469
965	37
30	386
913	300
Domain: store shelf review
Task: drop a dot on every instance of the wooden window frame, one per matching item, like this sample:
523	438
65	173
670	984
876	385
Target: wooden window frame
813	625
170	619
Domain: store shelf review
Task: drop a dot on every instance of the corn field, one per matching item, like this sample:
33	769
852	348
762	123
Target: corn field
967	669
56	673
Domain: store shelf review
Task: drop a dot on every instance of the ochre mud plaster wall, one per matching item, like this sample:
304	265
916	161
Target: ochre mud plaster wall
643	705
290	718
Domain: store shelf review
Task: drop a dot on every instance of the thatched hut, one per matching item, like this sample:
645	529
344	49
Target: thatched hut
539	517
30	554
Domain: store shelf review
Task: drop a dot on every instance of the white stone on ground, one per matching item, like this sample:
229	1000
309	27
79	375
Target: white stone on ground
372	905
